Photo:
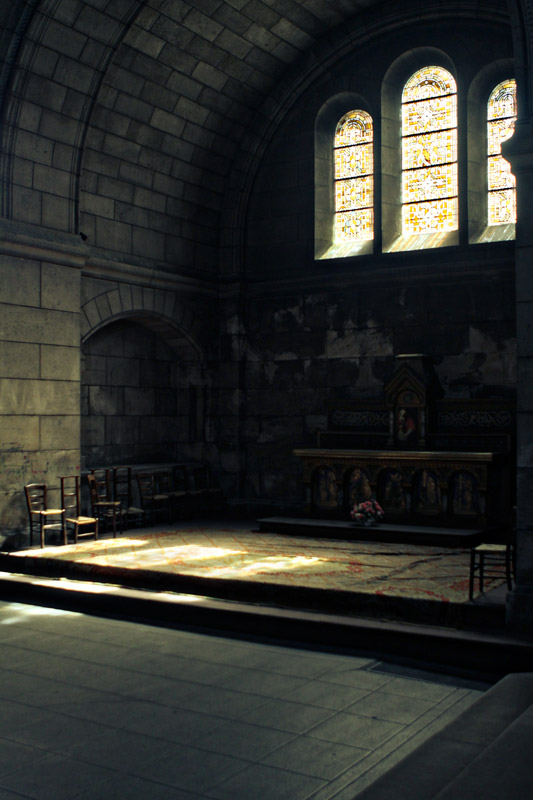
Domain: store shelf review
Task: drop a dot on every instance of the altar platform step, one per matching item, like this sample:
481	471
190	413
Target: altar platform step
431	536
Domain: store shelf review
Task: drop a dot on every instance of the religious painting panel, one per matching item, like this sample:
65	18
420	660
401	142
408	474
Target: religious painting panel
358	488
427	497
408	423
464	494
391	493
325	489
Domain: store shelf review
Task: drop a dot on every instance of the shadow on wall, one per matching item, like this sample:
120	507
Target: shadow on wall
134	401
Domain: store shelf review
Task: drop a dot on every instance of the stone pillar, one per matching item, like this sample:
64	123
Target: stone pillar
519	152
39	365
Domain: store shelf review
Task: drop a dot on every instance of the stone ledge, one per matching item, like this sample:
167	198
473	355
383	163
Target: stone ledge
483	753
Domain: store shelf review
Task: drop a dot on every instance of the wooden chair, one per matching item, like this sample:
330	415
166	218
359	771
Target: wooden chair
153	501
178	497
47	518
107	511
489	555
199	480
123	492
70	500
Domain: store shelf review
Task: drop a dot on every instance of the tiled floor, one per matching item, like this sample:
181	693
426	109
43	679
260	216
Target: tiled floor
97	708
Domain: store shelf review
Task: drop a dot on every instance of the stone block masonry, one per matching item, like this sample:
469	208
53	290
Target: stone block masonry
39	380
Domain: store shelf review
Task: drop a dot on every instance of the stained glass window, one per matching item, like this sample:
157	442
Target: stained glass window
501	117
354	181
429	153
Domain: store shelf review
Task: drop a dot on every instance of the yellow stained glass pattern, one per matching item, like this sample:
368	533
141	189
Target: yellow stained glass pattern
429	152
437	215
354	128
353	161
428	82
428	149
354	226
429	184
354	181
435	114
501	116
354	193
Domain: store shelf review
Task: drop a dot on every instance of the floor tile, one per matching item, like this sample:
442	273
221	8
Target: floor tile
220	702
15	715
419	689
56	777
315	757
238	739
126	787
43	692
58	733
262	683
266	783
327	695
193	769
284	715
16	755
130	756
363	732
356	677
393	707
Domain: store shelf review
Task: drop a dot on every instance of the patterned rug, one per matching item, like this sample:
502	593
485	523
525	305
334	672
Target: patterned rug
191	556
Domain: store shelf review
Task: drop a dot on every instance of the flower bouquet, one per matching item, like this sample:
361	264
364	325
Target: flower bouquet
367	513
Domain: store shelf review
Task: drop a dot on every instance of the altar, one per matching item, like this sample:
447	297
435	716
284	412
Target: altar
452	489
428	460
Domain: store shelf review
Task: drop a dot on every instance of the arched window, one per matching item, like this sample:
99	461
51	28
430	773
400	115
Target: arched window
429	153
354	180
501	117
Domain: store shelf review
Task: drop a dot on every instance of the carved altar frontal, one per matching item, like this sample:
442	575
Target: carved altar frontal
444	488
427	459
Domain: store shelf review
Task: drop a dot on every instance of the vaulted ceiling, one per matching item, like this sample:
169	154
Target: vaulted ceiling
144	115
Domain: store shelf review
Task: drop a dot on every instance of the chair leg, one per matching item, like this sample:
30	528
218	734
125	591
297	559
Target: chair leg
508	569
481	568
472	570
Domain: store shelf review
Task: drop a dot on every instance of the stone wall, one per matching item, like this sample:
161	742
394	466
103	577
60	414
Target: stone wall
39	387
322	330
306	350
130	398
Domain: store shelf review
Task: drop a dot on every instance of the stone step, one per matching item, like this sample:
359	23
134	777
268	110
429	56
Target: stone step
428	535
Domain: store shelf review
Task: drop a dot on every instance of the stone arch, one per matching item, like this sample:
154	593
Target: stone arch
144	383
159	310
521	14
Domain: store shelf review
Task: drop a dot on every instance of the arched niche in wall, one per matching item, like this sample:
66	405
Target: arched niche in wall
143	393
